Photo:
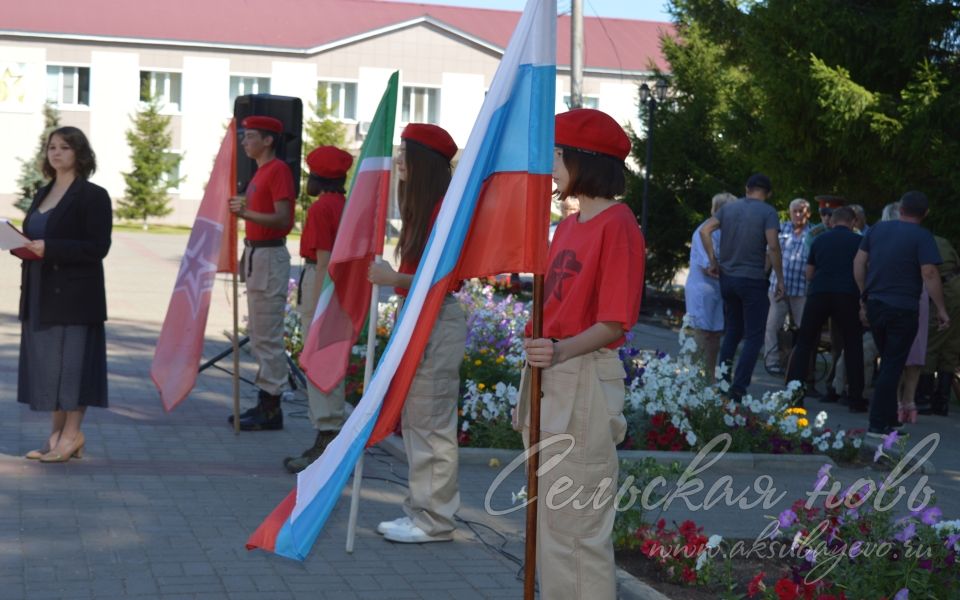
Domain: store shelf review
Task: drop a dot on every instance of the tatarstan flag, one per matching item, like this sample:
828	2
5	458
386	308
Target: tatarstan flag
345	297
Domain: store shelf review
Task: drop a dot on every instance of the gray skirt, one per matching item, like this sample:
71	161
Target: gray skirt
62	367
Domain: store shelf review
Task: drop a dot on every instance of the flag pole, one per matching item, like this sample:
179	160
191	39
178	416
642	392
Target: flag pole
236	326
367	374
533	460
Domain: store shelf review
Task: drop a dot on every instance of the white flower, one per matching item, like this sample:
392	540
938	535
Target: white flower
820	420
520	496
691	438
857	442
805	432
728	420
838	444
702	560
714	541
740	420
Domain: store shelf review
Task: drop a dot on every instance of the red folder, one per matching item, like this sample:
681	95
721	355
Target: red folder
22	253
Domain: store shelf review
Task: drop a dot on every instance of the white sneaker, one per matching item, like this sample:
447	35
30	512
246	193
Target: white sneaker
402	522
411	534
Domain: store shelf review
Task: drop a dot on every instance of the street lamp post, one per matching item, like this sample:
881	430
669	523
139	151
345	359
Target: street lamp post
651	100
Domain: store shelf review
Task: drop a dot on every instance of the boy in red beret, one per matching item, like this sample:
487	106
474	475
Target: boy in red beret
328	173
591	299
267	209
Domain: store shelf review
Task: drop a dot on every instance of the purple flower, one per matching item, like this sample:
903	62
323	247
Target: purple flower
823	477
903	594
855	549
787	518
907	533
888	442
931	516
952	540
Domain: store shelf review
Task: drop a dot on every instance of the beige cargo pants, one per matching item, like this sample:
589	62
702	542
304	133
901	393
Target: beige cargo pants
582	398
326	411
429	425
267	275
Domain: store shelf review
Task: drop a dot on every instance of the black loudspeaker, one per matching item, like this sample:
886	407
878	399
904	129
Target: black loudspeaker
290	112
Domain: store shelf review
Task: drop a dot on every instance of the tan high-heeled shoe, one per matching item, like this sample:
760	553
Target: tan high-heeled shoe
36	454
74	451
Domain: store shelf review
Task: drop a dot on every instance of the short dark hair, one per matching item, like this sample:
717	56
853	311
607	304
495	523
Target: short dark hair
914	204
592	174
273	135
317	185
843	214
86	160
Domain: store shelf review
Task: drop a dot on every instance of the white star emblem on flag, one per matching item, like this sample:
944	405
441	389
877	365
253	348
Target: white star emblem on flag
198	267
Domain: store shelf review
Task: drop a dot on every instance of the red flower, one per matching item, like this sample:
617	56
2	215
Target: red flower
756	585
689	575
786	590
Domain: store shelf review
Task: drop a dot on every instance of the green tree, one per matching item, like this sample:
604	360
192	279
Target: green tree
852	98
320	129
153	164
31	177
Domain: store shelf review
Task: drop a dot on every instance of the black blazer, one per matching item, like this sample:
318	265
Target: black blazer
76	240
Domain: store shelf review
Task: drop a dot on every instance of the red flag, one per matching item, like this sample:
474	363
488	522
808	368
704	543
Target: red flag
211	249
345	299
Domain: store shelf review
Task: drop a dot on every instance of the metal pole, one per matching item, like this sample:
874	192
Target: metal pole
533	461
576	54
367	375
651	108
236	329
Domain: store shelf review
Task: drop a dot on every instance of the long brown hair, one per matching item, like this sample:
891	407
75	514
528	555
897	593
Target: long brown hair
86	160
427	179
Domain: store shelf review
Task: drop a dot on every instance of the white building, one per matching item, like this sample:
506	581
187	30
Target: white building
91	57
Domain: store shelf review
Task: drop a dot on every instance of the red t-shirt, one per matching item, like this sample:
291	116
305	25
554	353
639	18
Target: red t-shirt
320	230
595	274
271	183
408	267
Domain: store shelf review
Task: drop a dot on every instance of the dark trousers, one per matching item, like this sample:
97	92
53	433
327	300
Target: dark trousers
893	331
745	307
843	310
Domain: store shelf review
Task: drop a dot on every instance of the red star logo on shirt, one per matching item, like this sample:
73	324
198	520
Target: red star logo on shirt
564	266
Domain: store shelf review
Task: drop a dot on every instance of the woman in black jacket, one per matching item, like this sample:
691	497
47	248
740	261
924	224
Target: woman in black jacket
63	306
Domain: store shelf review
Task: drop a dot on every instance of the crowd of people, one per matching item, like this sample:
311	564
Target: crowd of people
888	296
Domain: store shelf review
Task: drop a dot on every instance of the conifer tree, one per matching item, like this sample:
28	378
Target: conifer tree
31	177
147	183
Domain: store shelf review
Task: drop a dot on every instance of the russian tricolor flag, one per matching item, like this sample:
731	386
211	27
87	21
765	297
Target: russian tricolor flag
494	219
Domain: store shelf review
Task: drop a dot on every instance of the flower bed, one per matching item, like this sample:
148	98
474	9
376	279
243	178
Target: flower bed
835	544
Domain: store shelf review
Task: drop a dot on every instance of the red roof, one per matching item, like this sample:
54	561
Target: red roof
301	25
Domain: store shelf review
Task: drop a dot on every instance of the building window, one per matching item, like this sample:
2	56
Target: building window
68	86
340	98
241	86
588	102
421	105
163	86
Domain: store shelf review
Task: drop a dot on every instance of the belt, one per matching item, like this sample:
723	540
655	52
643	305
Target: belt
310	261
950	276
265	243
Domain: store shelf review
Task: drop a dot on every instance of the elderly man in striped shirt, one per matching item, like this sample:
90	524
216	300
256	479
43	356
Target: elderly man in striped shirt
794	250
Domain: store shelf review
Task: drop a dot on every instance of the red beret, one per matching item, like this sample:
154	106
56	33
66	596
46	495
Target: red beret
589	129
264	123
329	162
829	201
431	136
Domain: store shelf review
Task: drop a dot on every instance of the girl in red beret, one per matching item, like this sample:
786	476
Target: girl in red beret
328	167
591	299
429	417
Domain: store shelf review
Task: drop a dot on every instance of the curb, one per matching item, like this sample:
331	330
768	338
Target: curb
483	456
631	588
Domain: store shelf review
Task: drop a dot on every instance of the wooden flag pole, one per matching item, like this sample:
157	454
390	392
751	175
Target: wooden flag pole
533	460
367	375
236	327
